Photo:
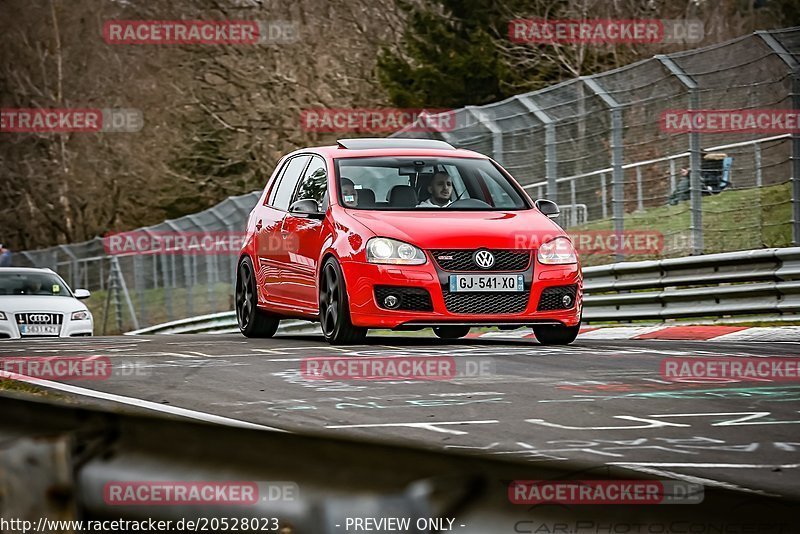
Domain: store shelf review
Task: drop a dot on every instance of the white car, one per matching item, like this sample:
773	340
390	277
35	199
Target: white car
38	303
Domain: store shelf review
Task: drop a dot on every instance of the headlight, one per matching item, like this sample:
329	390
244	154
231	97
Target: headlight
559	251
2	316
384	250
81	315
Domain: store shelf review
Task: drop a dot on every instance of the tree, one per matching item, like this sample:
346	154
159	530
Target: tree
451	58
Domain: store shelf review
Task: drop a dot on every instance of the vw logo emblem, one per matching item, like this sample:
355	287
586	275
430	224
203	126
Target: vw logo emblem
39	318
483	259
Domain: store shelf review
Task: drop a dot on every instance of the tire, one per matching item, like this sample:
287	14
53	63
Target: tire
556	335
334	307
450	332
252	321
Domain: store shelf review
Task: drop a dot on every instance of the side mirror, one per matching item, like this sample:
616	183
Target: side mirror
306	208
82	294
548	208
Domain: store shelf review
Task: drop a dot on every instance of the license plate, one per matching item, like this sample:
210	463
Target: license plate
486	283
38	329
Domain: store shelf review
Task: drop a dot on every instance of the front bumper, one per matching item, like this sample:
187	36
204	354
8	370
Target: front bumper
361	279
69	328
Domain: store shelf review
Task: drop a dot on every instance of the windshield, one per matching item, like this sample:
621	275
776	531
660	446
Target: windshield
44	284
392	183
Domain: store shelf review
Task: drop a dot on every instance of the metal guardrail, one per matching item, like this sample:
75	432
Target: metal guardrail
57	462
755	282
215	323
748	283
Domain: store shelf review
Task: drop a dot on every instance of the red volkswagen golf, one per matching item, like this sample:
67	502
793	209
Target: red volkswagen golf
404	234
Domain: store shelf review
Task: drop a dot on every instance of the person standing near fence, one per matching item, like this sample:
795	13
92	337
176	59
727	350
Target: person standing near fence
5	256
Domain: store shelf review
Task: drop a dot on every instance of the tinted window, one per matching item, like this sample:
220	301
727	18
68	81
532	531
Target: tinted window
32	283
283	193
314	183
272	185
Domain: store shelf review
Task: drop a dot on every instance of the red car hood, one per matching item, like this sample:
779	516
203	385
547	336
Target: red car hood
462	229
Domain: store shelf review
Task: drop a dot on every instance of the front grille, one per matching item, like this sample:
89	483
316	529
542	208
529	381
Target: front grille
39	318
461	260
551	298
411	298
475	303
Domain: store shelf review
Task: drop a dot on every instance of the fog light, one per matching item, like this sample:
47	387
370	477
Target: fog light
391	301
567	300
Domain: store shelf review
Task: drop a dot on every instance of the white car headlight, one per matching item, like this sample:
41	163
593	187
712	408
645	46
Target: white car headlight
2	316
559	251
81	315
391	251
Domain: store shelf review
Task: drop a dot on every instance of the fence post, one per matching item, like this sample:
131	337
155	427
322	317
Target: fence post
603	195
639	194
617	172
794	67
757	160
138	285
695	190
550	158
497	133
671	175
796	163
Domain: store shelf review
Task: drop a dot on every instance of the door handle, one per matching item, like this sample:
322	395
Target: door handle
258	226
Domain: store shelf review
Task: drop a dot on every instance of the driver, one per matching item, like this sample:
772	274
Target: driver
349	192
441	190
33	286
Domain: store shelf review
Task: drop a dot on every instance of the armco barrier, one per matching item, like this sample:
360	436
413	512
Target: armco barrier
58	461
216	323
749	283
755	282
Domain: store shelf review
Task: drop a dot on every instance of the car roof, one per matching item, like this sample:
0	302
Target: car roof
26	270
382	147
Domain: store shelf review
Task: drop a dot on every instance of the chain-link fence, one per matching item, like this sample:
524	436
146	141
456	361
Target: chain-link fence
600	148
134	285
596	145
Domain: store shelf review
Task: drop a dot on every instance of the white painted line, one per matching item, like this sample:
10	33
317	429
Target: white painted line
620	332
767	334
694	479
710	466
432	426
140	403
509	334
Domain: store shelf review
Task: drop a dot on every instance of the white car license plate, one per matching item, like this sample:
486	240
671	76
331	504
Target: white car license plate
486	283
39	329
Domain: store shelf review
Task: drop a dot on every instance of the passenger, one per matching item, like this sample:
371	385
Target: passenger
441	190
5	256
349	193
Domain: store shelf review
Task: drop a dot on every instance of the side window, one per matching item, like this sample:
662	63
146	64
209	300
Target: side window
272	185
283	193
315	182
